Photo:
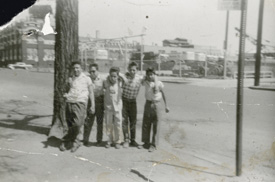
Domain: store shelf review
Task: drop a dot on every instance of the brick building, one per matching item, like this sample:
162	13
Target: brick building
37	50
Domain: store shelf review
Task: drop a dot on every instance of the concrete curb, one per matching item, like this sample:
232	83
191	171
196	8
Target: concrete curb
262	88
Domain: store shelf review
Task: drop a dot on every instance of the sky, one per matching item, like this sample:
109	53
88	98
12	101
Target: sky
199	21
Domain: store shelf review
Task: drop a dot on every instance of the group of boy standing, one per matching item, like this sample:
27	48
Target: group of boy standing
114	100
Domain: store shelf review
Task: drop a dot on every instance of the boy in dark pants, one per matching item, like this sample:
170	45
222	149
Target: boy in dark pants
152	114
129	112
81	89
99	108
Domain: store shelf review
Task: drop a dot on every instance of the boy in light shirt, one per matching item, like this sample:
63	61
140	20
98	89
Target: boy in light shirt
112	87
81	89
152	115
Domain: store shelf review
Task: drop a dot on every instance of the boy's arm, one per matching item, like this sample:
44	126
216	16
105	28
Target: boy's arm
123	78
164	99
92	99
142	79
104	86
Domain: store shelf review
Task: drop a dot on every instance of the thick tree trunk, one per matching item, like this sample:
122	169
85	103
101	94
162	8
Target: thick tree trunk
66	51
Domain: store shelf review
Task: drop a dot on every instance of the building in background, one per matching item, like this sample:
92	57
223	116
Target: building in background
179	52
177	42
37	50
106	52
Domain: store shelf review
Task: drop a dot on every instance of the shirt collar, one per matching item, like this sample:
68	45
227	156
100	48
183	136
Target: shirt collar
129	76
96	78
81	75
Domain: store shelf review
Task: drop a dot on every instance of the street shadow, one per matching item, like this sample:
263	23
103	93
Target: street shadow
188	168
24	124
141	175
52	142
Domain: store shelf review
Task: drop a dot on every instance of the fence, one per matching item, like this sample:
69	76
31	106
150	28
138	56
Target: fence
251	74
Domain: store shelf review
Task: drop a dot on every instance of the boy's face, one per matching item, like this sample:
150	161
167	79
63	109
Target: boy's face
150	76
132	70
77	70
113	77
93	72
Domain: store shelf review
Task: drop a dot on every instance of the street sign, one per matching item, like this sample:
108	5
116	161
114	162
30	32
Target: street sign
101	54
200	56
229	5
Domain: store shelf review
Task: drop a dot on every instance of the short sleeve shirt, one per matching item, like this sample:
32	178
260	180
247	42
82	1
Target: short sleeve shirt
131	87
79	89
98	86
112	97
152	90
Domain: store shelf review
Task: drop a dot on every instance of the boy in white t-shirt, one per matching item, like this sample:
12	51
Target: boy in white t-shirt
152	114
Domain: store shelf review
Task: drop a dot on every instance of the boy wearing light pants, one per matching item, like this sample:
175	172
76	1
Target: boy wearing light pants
113	107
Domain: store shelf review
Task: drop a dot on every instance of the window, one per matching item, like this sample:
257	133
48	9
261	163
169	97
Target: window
161	51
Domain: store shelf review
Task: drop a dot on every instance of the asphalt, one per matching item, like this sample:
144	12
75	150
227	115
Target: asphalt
197	135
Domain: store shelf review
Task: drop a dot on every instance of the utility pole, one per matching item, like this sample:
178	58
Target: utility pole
141	54
85	51
126	55
259	45
225	45
37	41
205	68
239	112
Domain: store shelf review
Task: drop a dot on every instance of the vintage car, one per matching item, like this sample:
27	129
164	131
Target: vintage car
20	65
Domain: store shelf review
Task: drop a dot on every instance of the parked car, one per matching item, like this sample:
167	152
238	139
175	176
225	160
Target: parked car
20	65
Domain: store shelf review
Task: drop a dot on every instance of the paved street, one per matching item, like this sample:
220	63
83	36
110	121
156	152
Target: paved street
197	137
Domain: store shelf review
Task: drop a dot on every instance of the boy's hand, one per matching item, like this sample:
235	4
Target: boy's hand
92	110
167	109
70	81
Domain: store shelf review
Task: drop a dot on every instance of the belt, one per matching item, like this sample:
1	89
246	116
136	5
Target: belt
128	100
152	101
99	97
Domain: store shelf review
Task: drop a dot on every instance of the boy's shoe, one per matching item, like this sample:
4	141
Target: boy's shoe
98	143
152	148
107	145
125	144
86	143
75	147
134	144
62	147
144	146
117	146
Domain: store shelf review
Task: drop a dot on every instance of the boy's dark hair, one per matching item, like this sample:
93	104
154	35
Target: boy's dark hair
132	64
114	69
150	70
94	65
75	62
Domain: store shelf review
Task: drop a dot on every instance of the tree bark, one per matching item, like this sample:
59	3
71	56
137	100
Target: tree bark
66	51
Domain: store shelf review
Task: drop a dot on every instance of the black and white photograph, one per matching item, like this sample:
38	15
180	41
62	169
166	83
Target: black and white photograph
137	91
